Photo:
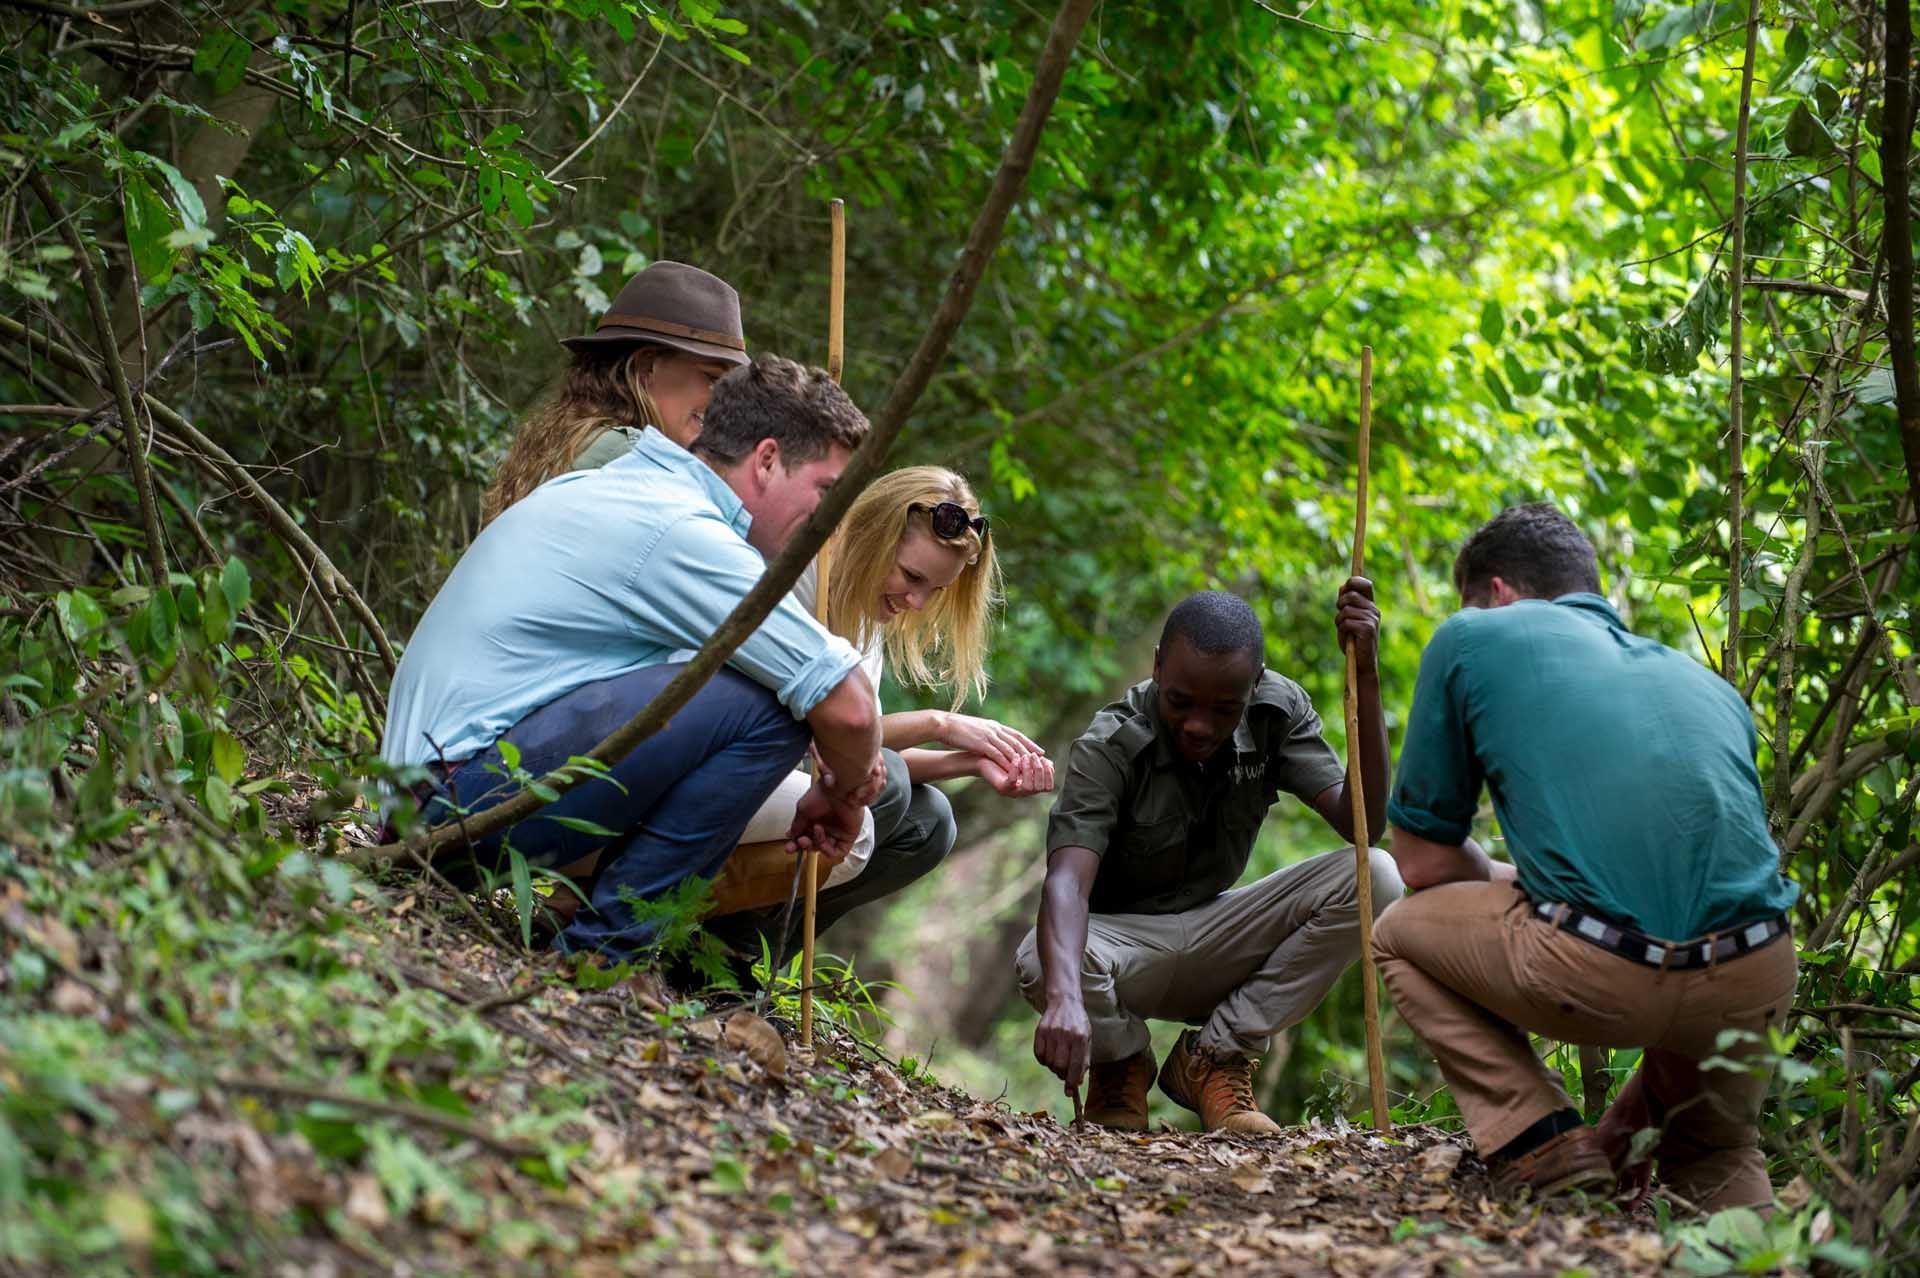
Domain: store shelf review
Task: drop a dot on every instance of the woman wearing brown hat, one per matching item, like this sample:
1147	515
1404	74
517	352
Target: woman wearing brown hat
653	360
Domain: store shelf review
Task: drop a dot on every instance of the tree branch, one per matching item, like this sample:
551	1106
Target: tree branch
419	1115
1730	666
1813	455
132	438
329	578
774	584
1896	131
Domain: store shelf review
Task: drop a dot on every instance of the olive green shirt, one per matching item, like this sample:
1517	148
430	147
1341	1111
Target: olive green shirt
608	446
1172	834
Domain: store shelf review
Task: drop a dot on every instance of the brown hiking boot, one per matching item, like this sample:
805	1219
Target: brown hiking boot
1572	1160
1220	1090
1117	1092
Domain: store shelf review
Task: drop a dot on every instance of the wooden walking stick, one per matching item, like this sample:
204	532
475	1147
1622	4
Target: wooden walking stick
836	360
1362	837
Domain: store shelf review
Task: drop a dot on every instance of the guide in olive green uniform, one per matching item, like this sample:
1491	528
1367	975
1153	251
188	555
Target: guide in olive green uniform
1170	938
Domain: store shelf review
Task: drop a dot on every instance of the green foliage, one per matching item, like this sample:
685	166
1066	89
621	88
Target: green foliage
672	922
342	242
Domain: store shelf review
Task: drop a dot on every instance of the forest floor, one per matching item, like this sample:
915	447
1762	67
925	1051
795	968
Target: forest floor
357	1079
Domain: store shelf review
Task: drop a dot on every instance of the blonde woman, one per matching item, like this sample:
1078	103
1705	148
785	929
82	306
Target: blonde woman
673	331
911	582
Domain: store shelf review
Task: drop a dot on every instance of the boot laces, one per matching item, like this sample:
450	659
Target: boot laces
1230	1083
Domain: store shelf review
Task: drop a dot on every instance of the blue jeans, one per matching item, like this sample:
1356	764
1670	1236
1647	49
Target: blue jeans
682	799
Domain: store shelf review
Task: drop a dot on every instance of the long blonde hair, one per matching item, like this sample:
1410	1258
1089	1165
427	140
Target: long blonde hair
595	393
944	645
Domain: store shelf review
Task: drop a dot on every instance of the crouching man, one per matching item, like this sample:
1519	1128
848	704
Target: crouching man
1164	795
1648	909
559	624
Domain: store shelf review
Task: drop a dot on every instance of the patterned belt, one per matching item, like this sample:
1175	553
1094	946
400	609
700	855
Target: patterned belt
1651	951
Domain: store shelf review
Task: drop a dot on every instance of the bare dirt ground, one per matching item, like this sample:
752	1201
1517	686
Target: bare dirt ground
755	1159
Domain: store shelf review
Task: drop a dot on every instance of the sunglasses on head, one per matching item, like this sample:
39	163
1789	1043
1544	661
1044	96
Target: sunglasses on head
949	519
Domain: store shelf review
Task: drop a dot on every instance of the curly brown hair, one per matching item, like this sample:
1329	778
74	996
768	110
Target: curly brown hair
597	392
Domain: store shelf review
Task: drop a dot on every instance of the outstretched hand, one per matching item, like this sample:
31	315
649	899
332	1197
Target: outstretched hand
987	738
1357	620
1029	774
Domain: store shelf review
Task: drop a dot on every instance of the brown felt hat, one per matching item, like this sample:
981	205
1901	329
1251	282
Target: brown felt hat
672	304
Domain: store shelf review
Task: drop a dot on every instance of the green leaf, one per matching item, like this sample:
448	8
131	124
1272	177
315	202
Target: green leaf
228	758
1681	23
235	585
584	826
222	60
1845	1254
1493	321
1497	388
509	756
1805	134
331	1137
518	203
186	198
163	619
489	188
1524	380
148	225
618	17
337	878
80	616
1795	51
522	894
216	619
219	799
733	53
729	1175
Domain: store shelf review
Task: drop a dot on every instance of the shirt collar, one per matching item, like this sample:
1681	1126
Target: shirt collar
1164	754
667	455
1586	601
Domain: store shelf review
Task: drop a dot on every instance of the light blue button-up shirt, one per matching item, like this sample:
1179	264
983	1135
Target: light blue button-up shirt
595	574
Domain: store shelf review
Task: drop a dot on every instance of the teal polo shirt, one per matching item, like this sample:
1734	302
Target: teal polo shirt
1621	771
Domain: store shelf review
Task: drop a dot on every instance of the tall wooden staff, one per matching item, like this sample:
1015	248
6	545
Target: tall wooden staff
836	359
1362	838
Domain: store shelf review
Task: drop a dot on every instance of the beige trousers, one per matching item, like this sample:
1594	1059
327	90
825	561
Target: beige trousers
1473	970
1247	964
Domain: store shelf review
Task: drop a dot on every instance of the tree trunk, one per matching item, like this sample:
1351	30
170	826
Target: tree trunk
1896	137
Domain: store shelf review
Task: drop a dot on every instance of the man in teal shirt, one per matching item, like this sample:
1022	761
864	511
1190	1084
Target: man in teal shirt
559	624
1643	907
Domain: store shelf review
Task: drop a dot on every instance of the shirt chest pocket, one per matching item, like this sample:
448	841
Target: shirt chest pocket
1152	840
1246	807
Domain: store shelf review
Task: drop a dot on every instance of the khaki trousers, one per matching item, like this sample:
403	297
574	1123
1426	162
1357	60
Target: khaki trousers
1472	969
1247	964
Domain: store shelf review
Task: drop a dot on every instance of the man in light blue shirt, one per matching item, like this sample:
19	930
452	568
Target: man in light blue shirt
559	624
